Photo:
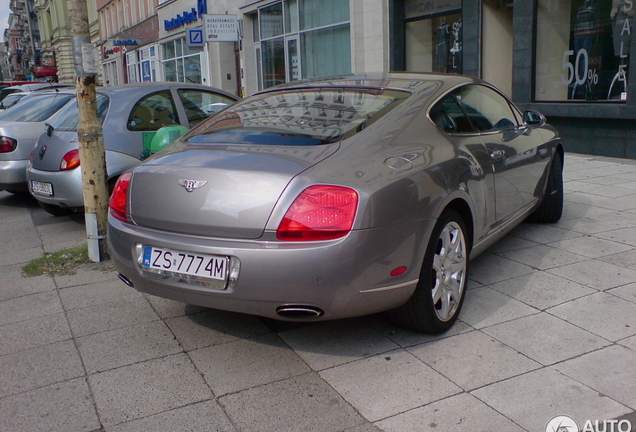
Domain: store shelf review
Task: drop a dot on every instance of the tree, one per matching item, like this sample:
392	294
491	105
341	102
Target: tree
89	133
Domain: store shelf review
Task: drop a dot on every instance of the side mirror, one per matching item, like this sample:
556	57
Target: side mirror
533	118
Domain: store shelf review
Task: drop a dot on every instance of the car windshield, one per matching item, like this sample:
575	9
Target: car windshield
37	107
67	118
305	116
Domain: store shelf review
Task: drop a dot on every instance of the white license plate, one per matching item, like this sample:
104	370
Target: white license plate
180	263
42	188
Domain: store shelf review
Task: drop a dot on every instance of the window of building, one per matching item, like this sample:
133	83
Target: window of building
433	36
583	49
182	63
302	39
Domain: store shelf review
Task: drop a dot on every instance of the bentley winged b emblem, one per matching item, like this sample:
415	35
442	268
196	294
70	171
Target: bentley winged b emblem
191	185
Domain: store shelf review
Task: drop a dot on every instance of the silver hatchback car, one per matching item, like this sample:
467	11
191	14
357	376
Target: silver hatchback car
337	198
131	117
20	128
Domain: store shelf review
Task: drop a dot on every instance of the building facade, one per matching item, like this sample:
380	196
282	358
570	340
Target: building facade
570	59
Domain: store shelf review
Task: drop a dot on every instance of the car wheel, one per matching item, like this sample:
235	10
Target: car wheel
438	297
551	207
55	210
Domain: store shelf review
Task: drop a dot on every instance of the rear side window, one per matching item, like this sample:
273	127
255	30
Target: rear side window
36	108
474	108
153	112
200	105
67	118
487	110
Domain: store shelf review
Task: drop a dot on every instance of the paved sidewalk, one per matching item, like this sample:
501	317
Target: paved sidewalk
548	328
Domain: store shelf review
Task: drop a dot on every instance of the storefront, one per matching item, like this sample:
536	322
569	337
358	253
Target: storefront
183	54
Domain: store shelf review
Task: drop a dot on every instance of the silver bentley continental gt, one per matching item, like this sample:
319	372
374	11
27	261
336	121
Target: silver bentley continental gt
337	197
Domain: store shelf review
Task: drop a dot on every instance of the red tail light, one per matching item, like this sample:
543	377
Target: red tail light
119	199
319	213
70	160
7	144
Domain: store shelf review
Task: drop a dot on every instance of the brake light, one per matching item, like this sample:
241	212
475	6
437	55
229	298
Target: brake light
319	213
70	160
7	144
119	198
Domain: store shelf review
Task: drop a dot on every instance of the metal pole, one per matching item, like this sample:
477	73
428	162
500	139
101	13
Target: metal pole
89	133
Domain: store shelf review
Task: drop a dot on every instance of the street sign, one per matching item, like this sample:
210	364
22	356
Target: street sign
221	28
195	37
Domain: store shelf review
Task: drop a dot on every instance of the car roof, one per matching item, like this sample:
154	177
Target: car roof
157	86
380	80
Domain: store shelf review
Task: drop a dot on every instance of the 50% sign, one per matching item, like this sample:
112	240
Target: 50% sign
581	64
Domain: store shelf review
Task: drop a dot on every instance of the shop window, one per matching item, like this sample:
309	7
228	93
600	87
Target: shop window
583	50
433	36
181	63
302	39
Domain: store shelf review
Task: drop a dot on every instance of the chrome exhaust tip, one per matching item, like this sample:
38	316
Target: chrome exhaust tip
125	280
299	312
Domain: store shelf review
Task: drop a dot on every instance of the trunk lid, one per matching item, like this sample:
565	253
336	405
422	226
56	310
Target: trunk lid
233	188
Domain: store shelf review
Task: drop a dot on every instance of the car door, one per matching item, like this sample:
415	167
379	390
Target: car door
448	115
513	149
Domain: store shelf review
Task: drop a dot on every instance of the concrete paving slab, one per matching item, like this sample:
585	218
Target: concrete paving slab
64	406
622	235
472	360
532	399
327	344
305	403
628	292
591	247
544	257
110	316
29	306
143	389
14	284
405	338
596	274
545	339
203	416
461	413
243	364
395	381
592	314
615	377
623	259
485	307
169	308
542	290
213	327
488	268
95	294
630	343
39	367
33	333
126	346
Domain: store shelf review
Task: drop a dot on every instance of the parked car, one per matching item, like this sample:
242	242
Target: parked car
131	115
30	87
337	198
20	127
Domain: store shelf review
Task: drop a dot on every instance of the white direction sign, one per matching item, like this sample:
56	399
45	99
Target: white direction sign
220	28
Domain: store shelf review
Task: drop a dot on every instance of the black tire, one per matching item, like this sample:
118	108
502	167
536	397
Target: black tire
439	295
551	207
55	210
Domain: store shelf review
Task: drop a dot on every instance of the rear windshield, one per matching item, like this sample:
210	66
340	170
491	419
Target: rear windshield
298	117
67	118
37	107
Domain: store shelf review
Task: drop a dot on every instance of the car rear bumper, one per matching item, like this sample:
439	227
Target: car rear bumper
340	278
67	186
13	175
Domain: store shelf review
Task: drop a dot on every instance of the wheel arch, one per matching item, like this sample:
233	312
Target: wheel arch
463	209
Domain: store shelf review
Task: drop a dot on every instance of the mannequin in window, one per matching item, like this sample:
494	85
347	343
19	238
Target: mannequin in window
442	36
